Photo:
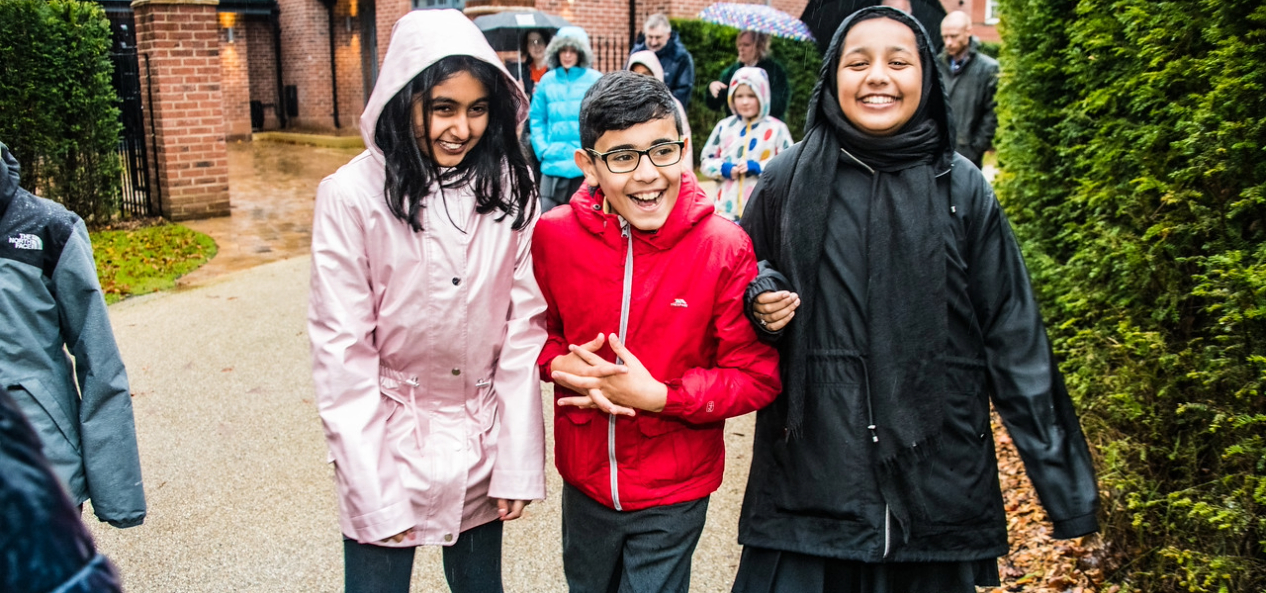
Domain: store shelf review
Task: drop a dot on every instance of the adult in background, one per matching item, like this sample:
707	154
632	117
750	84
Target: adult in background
679	66
875	471
971	79
555	114
51	305
753	51
531	66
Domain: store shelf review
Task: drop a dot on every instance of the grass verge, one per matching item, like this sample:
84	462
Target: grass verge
147	259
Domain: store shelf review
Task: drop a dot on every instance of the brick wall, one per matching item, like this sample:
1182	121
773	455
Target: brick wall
263	70
181	40
351	84
235	77
305	62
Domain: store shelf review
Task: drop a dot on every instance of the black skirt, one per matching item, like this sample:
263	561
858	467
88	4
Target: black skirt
762	570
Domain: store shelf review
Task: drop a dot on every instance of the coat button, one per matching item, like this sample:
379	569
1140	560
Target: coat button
457	281
448	537
457	371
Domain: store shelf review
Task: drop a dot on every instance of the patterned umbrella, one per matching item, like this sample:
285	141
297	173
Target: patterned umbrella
756	17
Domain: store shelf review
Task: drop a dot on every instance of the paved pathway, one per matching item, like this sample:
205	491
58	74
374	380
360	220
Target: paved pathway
240	496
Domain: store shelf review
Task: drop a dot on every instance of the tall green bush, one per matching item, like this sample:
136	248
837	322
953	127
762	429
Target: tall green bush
712	47
1133	153
58	111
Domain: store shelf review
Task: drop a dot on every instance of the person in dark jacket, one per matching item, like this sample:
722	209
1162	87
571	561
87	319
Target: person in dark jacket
51	305
43	544
900	306
753	51
679	66
971	80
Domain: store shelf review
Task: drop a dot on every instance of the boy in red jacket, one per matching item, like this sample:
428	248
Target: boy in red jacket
648	345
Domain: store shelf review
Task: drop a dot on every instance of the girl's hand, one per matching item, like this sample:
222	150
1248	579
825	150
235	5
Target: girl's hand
776	309
511	509
739	170
399	537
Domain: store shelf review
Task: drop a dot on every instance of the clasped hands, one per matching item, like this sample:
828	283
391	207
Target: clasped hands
618	389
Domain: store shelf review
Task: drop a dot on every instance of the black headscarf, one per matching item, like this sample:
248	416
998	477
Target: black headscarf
906	315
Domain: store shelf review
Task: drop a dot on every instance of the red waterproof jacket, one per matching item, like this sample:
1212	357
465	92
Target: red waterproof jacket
685	324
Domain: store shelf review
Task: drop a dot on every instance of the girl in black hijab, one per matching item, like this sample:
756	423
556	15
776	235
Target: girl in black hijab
875	472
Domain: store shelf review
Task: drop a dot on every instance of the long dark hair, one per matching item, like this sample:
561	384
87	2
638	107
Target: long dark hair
411	173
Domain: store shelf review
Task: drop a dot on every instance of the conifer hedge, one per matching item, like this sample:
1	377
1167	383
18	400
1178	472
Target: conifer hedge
58	111
1132	149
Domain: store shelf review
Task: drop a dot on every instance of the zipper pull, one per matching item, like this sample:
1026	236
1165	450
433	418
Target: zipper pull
874	434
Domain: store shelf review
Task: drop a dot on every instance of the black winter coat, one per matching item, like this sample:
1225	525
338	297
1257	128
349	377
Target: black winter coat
971	93
43	544
817	493
679	66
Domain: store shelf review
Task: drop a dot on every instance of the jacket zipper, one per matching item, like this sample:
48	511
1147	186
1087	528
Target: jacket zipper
624	326
887	531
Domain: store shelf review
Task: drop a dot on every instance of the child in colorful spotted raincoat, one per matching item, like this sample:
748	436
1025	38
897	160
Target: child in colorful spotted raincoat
741	145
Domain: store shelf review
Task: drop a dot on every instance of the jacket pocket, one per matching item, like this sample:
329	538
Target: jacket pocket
959	484
826	467
57	426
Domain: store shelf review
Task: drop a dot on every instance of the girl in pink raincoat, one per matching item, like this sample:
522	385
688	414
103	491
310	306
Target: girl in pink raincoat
425	317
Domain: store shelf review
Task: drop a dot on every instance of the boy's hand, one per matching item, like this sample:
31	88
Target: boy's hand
776	309
510	510
635	388
580	370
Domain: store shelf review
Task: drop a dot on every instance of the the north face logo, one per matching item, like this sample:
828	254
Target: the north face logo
25	241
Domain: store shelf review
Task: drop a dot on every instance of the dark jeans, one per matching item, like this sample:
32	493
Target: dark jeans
646	551
472	565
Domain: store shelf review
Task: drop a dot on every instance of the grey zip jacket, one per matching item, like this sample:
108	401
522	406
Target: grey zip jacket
50	305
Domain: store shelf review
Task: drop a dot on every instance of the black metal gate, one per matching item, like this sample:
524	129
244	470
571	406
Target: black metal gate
137	201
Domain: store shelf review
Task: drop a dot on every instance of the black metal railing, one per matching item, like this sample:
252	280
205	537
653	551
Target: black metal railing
136	200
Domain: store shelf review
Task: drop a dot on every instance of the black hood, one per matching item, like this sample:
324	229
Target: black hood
8	177
935	101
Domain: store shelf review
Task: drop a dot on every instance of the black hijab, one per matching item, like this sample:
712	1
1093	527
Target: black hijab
906	315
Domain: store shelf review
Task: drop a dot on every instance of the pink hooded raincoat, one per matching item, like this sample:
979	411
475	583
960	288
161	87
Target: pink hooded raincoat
424	344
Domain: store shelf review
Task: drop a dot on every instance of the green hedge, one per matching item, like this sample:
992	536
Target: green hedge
1132	149
712	47
58	110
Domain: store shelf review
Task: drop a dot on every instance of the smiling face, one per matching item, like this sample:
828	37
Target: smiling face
745	102
458	118
880	79
646	195
657	37
567	57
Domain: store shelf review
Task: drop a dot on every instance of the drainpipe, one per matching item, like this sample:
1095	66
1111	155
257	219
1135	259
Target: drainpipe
632	23
329	10
282	116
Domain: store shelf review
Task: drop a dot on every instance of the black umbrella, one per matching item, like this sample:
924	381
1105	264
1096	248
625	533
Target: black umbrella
824	16
504	29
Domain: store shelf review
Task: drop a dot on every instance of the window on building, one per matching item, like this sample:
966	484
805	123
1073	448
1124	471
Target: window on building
991	12
458	4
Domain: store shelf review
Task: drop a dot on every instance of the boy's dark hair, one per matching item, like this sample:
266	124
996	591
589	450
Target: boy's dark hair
621	100
411	173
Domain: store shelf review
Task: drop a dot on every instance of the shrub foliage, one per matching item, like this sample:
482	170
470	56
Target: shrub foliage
1133	155
712	47
58	111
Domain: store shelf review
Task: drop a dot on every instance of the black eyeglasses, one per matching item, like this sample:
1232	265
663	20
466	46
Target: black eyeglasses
625	160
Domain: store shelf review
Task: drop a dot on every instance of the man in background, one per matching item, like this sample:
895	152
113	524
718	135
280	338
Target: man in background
679	65
971	79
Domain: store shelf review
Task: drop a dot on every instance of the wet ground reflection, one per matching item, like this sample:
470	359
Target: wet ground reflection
272	187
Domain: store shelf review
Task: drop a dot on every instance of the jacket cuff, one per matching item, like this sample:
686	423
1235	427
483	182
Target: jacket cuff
1076	526
753	168
381	524
767	280
674	402
125	523
725	170
517	484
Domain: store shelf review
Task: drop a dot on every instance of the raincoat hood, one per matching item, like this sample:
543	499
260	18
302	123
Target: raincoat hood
575	38
647	58
418	40
756	79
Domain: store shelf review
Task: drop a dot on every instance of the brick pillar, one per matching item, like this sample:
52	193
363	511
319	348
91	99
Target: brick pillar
235	76
179	38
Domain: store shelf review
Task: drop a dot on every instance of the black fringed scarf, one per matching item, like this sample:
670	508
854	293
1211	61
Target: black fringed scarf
906	318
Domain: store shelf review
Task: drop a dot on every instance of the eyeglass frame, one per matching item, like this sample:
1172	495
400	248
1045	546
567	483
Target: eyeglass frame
681	150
